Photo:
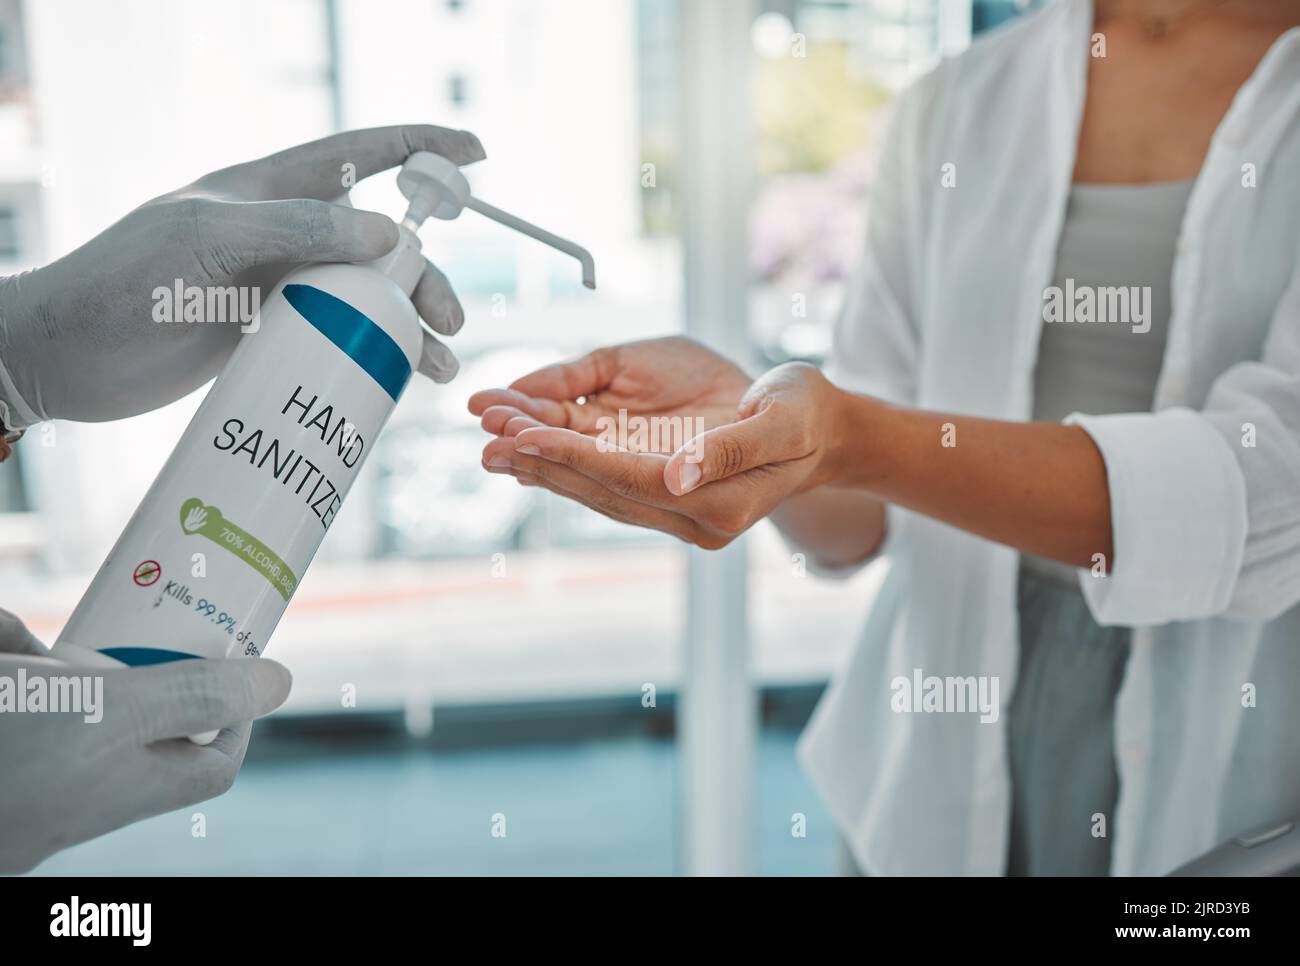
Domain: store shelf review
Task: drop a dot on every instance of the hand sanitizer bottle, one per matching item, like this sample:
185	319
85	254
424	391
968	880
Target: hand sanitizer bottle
213	554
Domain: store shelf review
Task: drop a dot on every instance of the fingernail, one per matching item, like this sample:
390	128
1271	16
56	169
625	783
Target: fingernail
499	462
688	477
529	449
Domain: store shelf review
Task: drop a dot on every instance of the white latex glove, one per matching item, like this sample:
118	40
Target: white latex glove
77	337
64	780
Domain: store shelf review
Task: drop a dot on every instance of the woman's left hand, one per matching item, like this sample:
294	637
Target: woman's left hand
717	485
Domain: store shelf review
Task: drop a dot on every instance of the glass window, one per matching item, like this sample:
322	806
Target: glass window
10	247
13	494
466	614
456	91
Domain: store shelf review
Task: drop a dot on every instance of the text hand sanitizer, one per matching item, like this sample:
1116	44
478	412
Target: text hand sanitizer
213	554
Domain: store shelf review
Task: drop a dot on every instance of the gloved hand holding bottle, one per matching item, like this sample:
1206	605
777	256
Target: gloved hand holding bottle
77	338
78	341
68	779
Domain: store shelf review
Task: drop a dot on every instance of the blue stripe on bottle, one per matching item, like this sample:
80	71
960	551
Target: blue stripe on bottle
140	656
365	343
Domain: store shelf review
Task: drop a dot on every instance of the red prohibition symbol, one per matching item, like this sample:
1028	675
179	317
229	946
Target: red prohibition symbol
147	573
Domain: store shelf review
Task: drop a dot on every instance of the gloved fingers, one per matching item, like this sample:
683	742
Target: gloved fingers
442	312
192	696
324	168
437	361
15	638
184	773
236	236
436	302
232	742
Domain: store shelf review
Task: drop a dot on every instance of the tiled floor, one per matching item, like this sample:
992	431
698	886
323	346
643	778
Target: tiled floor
604	807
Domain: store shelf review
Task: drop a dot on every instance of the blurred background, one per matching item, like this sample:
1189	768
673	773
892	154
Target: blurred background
471	657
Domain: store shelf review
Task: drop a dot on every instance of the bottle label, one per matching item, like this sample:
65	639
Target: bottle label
365	343
220	542
207	521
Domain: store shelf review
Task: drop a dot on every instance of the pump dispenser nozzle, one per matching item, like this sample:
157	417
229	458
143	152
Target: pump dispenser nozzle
436	188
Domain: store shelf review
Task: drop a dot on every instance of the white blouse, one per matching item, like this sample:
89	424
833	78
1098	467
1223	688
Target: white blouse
1205	491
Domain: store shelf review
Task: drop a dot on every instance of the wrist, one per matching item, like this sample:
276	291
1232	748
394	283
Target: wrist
16	413
859	430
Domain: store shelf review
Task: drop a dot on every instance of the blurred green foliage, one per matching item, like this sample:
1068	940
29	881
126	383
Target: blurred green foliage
811	111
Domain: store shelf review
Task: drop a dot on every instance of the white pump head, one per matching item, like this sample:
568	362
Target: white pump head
436	188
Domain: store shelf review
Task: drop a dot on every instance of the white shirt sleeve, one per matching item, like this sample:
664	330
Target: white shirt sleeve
876	339
1204	508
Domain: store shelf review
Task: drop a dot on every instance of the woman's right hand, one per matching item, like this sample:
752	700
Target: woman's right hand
670	377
